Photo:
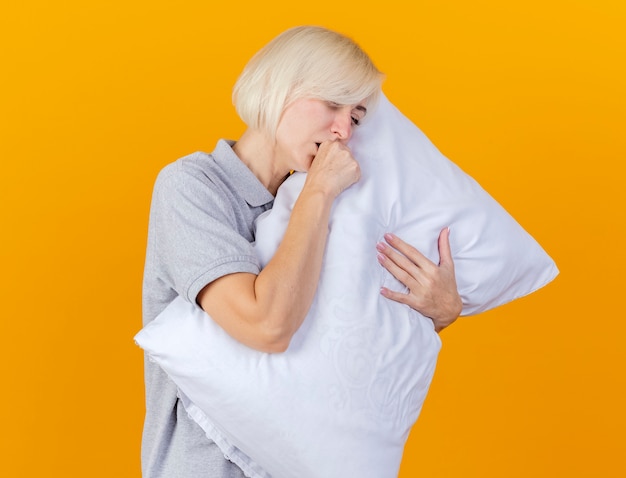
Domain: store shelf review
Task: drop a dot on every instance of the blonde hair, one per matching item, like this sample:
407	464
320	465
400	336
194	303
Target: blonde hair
307	61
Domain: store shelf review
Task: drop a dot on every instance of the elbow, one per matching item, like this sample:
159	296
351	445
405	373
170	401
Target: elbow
275	342
276	347
270	346
262	340
274	338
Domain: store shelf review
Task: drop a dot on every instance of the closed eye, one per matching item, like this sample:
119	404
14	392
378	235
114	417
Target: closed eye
357	113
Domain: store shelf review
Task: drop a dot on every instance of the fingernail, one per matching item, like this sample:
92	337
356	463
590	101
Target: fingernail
380	246
389	236
381	258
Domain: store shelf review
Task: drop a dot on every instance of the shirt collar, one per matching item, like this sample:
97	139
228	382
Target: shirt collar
240	177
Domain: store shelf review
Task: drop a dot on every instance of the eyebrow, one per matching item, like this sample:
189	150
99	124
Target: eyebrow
361	108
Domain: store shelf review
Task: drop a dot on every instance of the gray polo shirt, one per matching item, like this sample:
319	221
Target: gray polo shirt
201	228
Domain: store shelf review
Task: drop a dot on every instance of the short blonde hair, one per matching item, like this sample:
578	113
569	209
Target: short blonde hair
307	61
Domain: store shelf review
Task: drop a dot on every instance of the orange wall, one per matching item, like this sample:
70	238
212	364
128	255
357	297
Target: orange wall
528	97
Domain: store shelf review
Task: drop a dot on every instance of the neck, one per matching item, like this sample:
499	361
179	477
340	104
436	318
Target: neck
258	153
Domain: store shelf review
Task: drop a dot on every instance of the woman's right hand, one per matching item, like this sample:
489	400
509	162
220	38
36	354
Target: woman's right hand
334	169
264	311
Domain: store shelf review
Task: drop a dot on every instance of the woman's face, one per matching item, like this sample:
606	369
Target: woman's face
307	123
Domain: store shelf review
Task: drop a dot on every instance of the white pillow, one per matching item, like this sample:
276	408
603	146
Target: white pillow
341	401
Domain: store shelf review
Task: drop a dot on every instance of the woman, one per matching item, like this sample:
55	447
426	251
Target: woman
301	97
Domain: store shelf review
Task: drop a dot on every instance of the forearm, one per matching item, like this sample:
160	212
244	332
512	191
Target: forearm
264	311
285	288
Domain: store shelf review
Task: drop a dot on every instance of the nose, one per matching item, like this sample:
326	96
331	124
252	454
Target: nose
342	124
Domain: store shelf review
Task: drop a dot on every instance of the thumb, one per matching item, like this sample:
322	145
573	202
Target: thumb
445	253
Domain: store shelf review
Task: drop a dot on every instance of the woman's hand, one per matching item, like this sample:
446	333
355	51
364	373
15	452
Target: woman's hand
334	169
264	311
432	287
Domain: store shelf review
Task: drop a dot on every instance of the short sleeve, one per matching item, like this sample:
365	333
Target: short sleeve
194	231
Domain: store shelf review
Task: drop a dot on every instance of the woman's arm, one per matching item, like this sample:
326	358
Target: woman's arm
432	288
264	311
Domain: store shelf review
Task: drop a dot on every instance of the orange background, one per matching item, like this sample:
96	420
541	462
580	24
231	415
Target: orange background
528	97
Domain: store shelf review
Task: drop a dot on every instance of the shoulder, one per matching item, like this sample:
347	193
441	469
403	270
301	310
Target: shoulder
197	166
195	178
219	170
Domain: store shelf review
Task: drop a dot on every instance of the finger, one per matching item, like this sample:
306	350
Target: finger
399	267
397	257
445	252
396	296
334	145
409	251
